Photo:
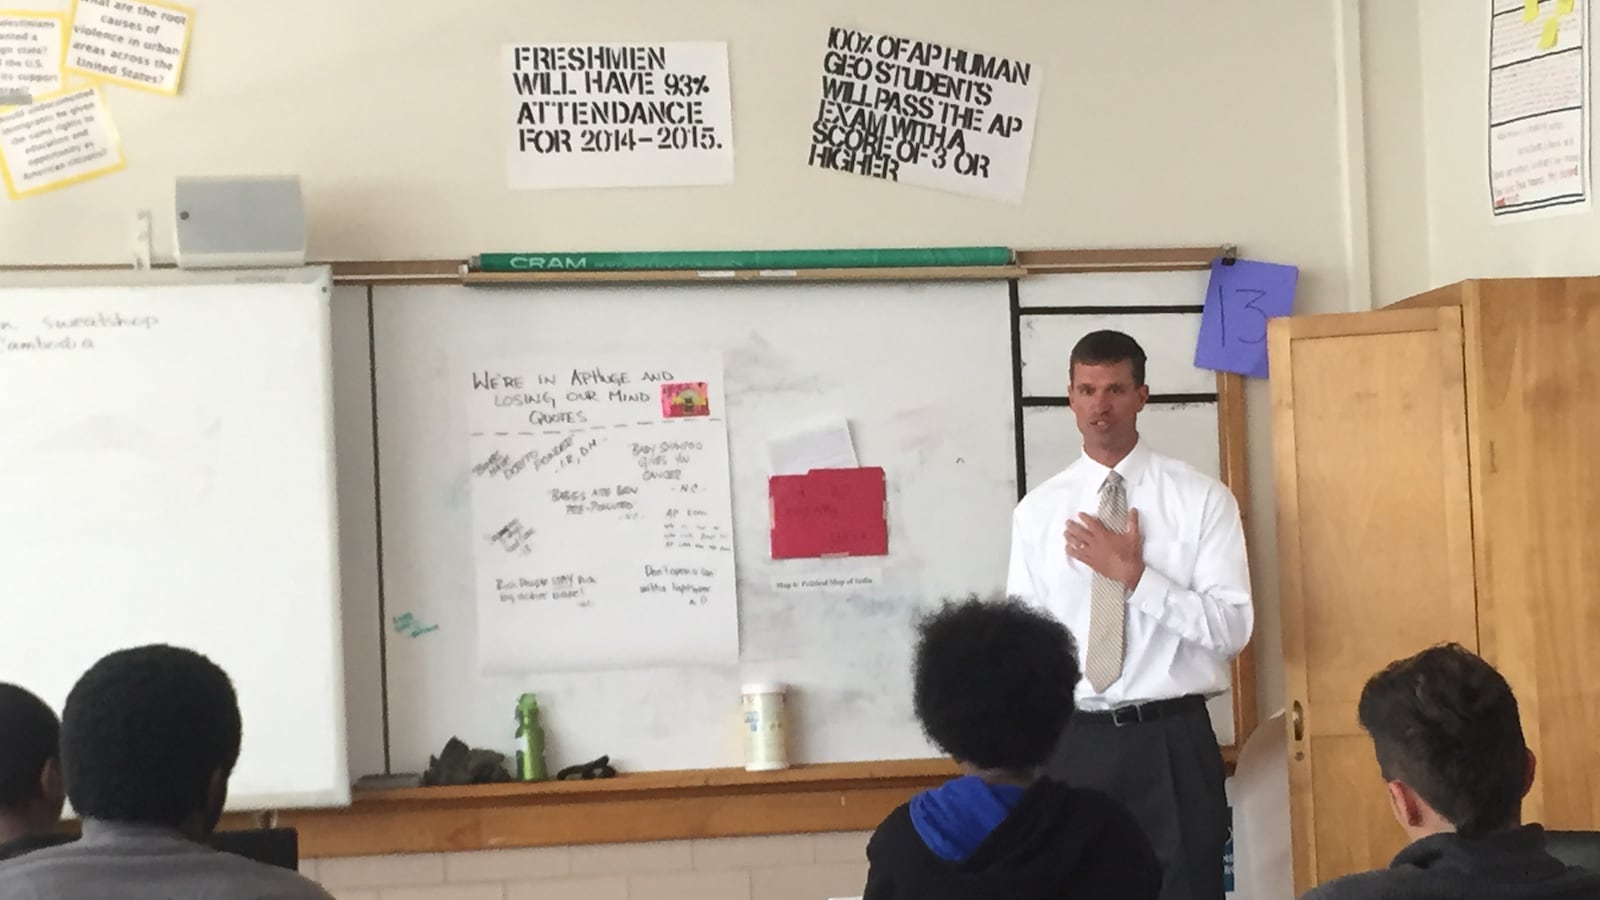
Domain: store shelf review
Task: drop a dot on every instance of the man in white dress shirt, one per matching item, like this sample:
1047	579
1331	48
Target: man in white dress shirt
1143	558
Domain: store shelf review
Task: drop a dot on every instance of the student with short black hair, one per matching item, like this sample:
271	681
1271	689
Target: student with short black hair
1448	737
31	796
993	688
149	738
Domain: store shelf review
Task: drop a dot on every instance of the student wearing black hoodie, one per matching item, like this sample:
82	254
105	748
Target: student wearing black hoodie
993	687
1449	742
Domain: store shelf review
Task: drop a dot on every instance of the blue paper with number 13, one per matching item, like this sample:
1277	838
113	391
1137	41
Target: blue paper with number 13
1239	300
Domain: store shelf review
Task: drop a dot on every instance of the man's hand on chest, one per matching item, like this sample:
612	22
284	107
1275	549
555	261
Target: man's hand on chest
1118	556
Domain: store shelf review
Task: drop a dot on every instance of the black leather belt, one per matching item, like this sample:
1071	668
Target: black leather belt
1136	713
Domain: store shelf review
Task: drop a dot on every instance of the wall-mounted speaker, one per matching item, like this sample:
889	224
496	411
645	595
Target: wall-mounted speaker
239	222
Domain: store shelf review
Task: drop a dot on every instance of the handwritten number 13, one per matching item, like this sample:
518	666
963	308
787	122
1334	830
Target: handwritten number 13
1252	297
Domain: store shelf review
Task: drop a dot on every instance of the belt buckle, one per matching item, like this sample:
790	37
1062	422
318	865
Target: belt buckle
1136	715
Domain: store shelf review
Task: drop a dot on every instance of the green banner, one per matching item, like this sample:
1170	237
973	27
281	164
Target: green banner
743	259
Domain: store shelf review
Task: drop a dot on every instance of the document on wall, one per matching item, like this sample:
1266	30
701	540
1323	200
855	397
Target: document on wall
135	43
56	142
1538	106
617	115
30	56
818	445
602	512
924	113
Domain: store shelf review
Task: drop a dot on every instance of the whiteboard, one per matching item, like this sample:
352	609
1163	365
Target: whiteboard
922	372
167	476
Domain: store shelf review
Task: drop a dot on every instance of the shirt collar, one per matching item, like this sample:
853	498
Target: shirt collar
1516	854
1132	467
102	830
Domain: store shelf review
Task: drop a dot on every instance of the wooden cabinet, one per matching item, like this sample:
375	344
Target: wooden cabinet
1438	478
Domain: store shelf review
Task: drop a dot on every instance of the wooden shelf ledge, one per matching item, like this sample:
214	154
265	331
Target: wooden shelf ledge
822	777
1160	259
646	806
635	807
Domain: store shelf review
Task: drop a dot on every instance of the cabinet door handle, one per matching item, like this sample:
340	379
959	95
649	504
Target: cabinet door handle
1297	721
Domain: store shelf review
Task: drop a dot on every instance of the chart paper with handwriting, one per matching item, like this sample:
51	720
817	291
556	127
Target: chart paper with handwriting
603	523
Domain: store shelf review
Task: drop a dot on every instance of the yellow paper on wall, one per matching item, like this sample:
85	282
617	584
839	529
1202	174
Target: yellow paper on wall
137	43
57	141
32	45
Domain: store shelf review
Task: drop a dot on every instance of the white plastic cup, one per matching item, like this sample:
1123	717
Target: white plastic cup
765	727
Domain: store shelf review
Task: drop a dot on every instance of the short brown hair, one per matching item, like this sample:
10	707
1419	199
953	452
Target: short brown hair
1107	347
1446	724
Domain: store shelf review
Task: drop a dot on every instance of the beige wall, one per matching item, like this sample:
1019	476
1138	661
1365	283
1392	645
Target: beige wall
1396	167
1159	125
1165	123
799	867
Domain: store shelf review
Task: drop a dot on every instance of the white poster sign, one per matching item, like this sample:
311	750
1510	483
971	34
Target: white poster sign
618	115
927	114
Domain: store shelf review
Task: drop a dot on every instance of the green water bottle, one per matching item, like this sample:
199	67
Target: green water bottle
530	752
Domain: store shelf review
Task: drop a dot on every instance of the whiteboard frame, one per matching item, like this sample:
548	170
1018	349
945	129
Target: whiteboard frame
311	275
1229	395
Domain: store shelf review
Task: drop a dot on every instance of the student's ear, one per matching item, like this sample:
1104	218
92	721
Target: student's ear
1405	803
216	799
1527	780
52	787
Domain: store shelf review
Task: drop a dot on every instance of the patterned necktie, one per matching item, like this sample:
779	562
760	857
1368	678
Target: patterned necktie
1108	599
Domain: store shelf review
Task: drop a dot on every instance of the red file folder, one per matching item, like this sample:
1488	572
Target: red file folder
829	512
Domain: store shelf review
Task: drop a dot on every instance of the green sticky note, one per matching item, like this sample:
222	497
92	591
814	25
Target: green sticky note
1552	30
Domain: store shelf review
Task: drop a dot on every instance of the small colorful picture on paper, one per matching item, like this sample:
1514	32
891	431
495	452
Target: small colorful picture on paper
683	400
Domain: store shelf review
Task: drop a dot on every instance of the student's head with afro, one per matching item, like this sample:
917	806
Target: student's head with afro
993	684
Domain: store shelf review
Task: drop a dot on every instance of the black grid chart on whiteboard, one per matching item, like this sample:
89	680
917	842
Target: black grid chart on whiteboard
1049	313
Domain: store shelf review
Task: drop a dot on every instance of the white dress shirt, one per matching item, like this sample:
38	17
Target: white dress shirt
1190	614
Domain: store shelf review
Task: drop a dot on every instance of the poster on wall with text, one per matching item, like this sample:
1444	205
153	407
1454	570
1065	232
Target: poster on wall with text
617	115
923	113
1538	116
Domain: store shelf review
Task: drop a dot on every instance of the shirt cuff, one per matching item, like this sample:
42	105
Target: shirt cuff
1150	596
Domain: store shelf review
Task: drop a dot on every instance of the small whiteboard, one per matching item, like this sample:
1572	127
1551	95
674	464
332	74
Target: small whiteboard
166	476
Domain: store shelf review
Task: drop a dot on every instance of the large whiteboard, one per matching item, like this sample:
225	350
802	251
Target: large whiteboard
167	476
920	371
